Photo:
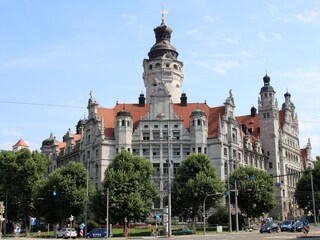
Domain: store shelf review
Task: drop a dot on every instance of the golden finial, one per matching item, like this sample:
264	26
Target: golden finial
163	12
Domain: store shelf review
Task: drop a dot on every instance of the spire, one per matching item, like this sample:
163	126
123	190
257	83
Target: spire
162	46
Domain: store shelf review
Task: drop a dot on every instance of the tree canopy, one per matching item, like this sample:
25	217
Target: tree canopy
21	172
303	193
195	180
131	188
256	191
63	193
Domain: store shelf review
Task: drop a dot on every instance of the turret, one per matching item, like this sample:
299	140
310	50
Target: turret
162	67
123	130
199	131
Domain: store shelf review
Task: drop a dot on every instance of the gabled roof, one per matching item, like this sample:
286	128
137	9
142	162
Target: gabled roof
20	143
251	122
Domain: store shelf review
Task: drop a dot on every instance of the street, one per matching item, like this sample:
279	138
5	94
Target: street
255	235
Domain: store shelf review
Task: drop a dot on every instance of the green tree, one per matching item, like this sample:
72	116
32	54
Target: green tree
196	178
131	188
303	193
256	191
63	193
21	172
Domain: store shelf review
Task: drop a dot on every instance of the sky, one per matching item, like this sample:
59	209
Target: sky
53	53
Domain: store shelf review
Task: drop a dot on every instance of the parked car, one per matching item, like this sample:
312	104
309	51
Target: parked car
67	233
182	231
297	226
286	225
97	233
269	227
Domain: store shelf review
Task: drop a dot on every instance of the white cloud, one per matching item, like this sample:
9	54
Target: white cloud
311	16
304	81
6	132
129	19
209	18
270	37
263	37
277	36
220	67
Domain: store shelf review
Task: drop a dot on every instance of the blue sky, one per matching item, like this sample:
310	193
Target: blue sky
53	53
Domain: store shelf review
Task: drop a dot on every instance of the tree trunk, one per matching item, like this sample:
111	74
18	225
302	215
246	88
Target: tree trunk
194	221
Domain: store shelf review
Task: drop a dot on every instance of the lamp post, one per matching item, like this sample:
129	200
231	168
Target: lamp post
87	194
2	207
236	202
229	200
313	201
107	217
169	186
204	211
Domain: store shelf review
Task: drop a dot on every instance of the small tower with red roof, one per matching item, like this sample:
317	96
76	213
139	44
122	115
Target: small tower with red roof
19	145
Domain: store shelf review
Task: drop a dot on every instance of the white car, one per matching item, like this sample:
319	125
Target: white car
67	233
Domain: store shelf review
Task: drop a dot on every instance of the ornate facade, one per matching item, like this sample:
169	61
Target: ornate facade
163	125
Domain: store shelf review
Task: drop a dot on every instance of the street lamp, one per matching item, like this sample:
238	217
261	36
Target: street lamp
2	207
169	161
204	211
107	217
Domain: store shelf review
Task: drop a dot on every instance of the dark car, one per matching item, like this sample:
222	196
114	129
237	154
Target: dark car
97	233
182	231
269	227
286	225
297	226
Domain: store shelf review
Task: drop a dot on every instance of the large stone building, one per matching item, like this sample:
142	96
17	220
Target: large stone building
163	125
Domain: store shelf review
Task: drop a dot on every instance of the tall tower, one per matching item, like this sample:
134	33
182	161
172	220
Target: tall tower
269	126
162	67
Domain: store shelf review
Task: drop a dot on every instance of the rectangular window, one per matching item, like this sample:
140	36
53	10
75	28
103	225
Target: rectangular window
156	135
234	153
176	151
176	135
146	136
199	149
175	168
186	151
225	152
146	152
165	135
270	164
156	166
156	151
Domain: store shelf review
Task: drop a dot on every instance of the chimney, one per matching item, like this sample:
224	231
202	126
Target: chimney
142	100
183	100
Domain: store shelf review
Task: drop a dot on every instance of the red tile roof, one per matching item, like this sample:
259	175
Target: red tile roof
109	115
20	143
251	122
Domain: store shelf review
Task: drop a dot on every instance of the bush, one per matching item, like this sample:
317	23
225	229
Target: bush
220	216
91	225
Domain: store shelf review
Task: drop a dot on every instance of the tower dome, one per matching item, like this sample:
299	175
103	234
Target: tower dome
197	112
123	113
267	87
162	47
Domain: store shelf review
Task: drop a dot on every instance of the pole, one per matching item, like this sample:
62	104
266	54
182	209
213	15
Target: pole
107	218
236	202
229	201
87	194
313	201
204	215
204	211
169	185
